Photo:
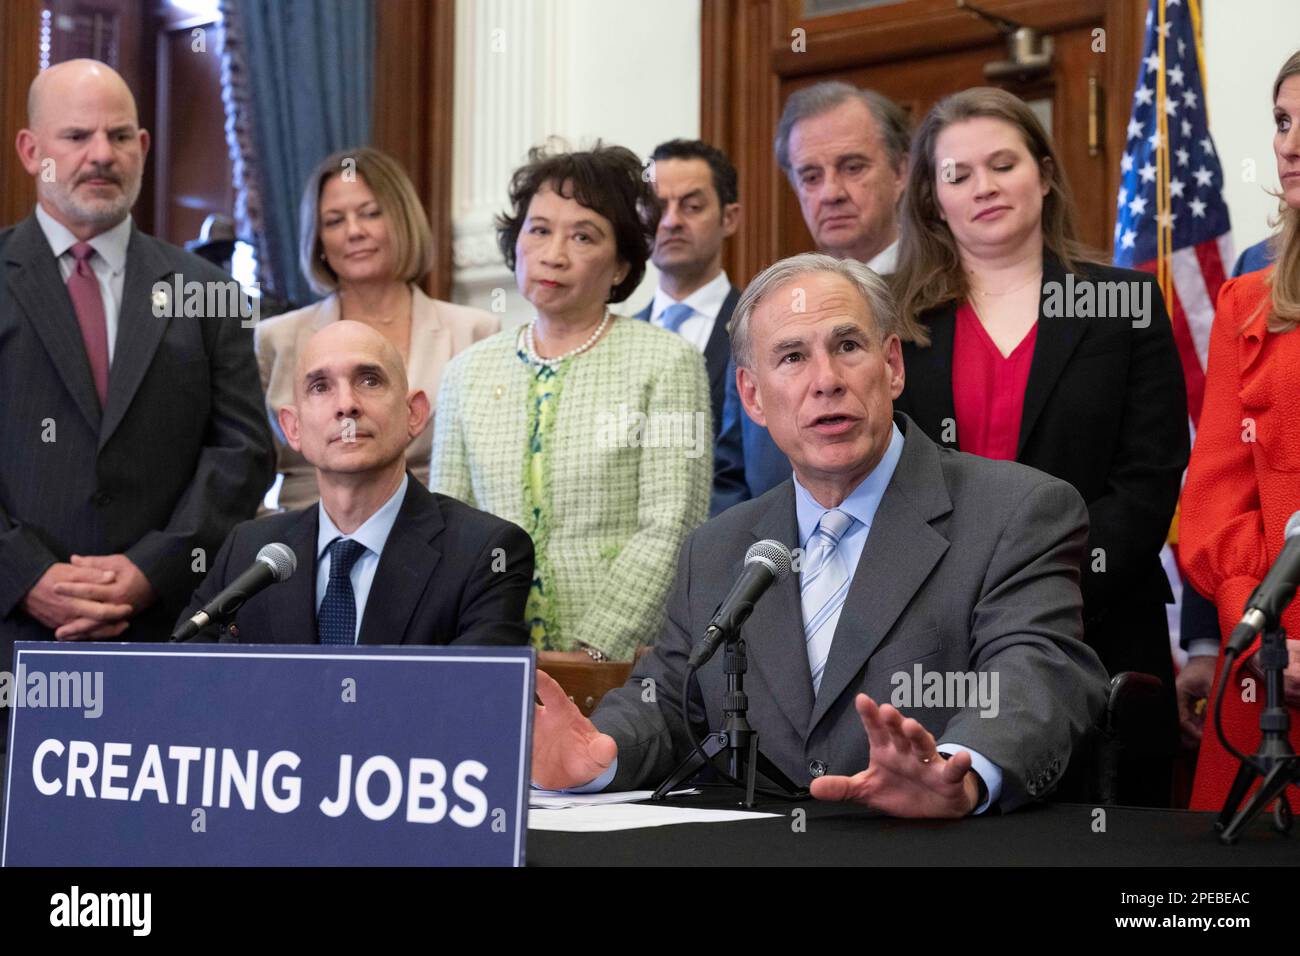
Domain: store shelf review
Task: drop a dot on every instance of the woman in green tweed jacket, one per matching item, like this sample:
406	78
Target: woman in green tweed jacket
589	430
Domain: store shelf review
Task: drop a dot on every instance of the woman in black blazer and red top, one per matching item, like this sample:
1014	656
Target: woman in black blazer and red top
1004	362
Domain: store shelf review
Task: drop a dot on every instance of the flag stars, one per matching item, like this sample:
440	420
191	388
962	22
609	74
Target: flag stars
1171	107
1126	163
1183	156
1198	209
1148	173
1144	94
1152	62
1176	75
1208	146
1166	219
1203	176
1155	139
1138	206
1187	128
1128	239
1134	129
1123	196
1176	188
1189	100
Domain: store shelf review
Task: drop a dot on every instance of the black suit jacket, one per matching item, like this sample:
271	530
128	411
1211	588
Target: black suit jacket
717	354
1106	410
449	574
180	453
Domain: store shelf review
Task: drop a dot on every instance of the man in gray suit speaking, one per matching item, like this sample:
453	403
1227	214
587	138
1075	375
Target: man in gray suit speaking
923	571
132	438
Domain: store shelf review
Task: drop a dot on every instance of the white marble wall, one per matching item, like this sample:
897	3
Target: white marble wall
625	71
1246	43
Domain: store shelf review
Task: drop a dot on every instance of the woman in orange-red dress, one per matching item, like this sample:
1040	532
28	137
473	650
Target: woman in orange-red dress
1243	482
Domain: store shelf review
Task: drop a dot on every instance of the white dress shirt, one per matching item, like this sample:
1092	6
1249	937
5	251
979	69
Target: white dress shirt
109	266
706	301
885	261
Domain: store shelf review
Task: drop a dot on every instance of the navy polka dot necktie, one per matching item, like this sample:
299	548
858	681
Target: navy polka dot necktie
336	621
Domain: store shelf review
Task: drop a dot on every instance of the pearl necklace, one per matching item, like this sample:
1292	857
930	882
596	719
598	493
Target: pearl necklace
552	362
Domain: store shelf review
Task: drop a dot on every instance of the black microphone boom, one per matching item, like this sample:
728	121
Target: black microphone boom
766	562
1275	592
274	563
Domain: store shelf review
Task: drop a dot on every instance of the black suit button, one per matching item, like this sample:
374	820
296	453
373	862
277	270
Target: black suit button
103	498
817	768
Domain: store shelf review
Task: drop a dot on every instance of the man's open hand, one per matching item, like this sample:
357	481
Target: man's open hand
568	750
906	776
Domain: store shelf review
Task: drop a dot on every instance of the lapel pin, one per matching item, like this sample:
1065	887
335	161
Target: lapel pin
499	391
159	300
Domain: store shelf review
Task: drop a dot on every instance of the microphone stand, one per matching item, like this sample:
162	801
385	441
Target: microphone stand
736	737
1275	760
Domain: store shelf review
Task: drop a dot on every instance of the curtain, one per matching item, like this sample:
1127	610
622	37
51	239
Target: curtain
297	81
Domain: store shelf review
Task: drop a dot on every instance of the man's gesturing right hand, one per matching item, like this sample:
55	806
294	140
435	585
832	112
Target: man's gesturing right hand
568	750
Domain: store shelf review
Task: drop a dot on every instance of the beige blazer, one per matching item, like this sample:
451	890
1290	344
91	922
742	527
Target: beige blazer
439	330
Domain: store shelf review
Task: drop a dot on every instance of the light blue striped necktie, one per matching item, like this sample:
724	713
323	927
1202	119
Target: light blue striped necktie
673	316
824	585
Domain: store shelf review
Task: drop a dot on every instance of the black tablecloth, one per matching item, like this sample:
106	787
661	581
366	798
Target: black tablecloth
848	835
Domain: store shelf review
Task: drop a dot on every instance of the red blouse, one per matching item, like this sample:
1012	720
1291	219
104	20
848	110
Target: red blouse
988	388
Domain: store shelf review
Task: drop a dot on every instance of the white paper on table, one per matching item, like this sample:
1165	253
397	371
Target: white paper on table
630	816
559	799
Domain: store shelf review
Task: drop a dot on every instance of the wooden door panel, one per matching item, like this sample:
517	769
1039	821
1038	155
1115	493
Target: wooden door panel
916	51
918	83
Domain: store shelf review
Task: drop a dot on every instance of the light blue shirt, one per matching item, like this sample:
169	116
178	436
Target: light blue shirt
373	533
862	503
706	301
109	266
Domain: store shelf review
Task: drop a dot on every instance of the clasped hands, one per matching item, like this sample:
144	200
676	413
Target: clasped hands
92	597
905	775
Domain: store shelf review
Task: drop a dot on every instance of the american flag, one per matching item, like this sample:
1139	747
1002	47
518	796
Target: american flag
1172	219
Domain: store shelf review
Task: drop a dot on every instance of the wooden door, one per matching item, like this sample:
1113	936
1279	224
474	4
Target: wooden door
756	52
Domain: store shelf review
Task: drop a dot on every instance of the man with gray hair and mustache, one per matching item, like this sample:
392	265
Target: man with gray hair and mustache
130	443
844	152
908	554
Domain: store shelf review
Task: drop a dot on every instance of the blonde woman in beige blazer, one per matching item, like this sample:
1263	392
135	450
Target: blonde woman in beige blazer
365	245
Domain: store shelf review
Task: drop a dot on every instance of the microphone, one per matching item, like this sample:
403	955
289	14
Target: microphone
275	563
1270	599
766	562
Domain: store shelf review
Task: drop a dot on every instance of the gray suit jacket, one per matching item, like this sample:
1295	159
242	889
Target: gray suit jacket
180	453
970	565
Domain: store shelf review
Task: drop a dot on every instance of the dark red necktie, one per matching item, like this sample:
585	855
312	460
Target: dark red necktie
83	288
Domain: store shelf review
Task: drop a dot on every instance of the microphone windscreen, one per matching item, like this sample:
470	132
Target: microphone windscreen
281	559
775	553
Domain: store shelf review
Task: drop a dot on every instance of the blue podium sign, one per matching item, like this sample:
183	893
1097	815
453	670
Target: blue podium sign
247	755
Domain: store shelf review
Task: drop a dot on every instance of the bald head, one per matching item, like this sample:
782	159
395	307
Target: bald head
354	344
73	81
83	145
